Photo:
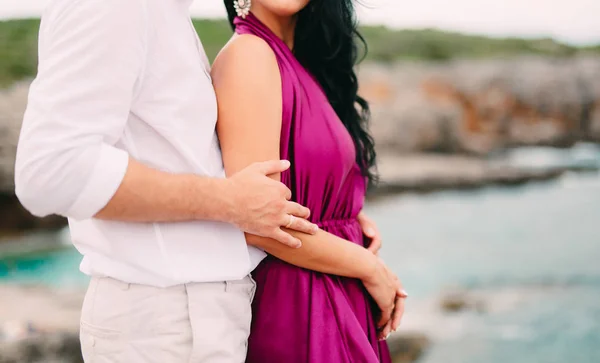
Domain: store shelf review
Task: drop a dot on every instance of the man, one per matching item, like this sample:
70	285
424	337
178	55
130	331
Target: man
119	136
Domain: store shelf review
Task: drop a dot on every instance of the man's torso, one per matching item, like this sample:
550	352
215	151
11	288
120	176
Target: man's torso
170	127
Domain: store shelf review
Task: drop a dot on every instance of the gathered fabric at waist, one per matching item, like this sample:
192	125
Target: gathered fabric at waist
337	222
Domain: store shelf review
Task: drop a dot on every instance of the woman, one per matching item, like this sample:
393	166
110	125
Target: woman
286	89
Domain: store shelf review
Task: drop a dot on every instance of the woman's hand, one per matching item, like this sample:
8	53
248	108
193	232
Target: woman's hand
370	230
387	291
397	315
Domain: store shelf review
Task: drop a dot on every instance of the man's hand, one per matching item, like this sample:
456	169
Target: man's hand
370	230
260	205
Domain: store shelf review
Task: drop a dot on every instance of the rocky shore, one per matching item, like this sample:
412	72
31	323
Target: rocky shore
43	348
13	217
39	325
423	173
477	106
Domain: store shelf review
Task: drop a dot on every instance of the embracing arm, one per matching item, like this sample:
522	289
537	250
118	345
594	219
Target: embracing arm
91	55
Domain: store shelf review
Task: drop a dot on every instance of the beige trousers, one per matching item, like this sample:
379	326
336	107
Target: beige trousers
200	322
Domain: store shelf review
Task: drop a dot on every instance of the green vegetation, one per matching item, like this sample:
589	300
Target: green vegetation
18	45
388	45
18	50
214	34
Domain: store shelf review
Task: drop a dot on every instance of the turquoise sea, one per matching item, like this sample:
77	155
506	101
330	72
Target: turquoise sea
530	254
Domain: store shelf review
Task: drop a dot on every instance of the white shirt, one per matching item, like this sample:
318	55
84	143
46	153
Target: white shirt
117	79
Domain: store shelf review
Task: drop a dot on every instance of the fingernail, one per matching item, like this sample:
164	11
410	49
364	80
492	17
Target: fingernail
315	228
369	232
285	163
403	292
298	245
387	336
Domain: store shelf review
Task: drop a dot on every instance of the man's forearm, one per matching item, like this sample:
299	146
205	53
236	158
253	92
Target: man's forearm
322	252
149	195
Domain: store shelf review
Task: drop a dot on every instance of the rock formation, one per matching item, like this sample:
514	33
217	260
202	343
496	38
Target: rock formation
13	217
476	106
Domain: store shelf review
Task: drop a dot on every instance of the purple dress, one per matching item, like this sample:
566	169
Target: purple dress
302	316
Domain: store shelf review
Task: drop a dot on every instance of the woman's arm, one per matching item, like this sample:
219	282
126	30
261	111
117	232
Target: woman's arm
248	87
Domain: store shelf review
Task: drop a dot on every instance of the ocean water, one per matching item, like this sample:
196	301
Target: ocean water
530	256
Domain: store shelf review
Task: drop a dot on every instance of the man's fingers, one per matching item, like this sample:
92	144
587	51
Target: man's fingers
272	166
398	313
287	193
286	238
302	225
297	210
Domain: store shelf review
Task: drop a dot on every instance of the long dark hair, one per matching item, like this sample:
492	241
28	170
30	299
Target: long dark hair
327	44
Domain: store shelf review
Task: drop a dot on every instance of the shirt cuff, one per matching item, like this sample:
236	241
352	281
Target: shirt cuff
105	179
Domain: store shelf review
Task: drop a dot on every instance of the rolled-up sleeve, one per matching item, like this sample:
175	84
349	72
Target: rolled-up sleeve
91	57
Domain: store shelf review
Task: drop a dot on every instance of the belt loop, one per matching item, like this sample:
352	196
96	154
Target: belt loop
227	286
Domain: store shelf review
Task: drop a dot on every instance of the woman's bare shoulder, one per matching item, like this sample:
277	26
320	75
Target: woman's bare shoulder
245	55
